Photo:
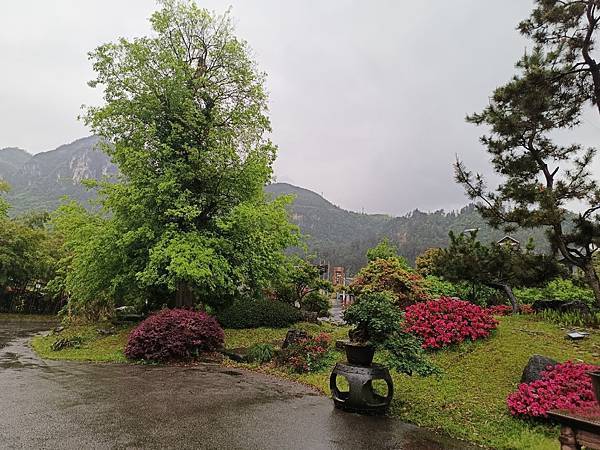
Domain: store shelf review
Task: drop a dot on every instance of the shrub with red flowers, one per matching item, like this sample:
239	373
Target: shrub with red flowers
306	355
563	386
174	334
448	321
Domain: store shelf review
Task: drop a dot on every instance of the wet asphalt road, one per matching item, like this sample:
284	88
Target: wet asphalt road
63	405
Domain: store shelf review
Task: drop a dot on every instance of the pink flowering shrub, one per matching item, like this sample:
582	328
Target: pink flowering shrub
174	334
563	386
306	355
447	321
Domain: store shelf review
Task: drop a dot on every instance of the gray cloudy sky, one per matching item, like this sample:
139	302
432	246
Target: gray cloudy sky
368	98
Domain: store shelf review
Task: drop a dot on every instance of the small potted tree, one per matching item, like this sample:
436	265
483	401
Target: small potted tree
377	322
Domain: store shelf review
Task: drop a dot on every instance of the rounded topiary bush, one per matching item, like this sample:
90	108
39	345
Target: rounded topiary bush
257	313
447	321
174	334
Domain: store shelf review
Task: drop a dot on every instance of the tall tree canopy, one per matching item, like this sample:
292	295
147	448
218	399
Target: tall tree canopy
185	120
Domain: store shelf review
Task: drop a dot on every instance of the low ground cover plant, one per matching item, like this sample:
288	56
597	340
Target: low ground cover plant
446	321
255	313
261	353
306	355
174	334
563	386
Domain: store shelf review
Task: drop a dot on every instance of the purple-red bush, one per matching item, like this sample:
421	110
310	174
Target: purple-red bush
306	355
447	321
563	386
174	334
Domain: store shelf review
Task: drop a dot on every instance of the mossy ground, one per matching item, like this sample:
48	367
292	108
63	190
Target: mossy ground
467	401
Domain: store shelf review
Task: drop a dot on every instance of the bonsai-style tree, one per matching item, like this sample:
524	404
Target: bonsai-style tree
496	266
539	177
377	321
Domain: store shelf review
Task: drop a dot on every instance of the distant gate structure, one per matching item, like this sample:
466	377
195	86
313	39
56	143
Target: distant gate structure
339	276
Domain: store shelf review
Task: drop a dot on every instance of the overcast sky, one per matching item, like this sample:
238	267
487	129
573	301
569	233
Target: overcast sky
367	98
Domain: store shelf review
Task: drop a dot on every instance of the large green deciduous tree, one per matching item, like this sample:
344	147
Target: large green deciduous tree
185	120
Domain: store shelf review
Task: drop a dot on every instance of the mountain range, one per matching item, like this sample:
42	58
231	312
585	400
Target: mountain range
334	235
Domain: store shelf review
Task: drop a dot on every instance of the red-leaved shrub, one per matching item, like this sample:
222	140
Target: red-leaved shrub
447	321
563	386
174	334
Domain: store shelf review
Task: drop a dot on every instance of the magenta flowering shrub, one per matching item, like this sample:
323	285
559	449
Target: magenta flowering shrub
563	386
174	334
448	321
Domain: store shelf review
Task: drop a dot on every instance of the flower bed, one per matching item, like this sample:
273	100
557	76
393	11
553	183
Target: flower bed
563	386
448	321
306	355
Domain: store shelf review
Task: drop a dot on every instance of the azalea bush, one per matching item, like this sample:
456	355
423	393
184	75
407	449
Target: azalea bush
174	334
563	386
306	355
448	321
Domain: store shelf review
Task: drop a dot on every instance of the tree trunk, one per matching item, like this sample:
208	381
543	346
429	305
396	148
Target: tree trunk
592	278
184	297
509	293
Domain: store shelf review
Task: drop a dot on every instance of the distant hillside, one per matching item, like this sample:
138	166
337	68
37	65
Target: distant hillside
335	235
38	182
342	237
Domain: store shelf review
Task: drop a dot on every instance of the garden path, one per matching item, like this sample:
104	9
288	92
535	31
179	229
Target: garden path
64	405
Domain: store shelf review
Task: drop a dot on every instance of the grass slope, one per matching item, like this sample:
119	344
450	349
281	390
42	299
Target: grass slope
467	401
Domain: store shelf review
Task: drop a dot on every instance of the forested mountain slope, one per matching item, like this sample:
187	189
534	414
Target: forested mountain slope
335	235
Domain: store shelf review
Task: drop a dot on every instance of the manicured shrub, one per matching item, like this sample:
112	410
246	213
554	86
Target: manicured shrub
249	313
316	302
261	353
306	355
500	310
447	321
174	334
563	386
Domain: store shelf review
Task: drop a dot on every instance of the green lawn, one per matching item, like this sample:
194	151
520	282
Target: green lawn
467	400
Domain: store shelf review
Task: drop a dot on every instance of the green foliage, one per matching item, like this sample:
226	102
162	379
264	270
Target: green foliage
255	313
316	302
570	318
377	320
427	261
438	287
299	279
383	250
557	289
496	266
261	353
187	222
67	342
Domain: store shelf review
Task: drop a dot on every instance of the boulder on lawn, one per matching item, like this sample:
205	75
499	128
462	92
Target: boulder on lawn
578	306
535	366
293	336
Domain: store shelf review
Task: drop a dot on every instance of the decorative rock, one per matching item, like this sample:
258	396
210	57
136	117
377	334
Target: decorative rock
535	366
561	306
576	306
293	336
